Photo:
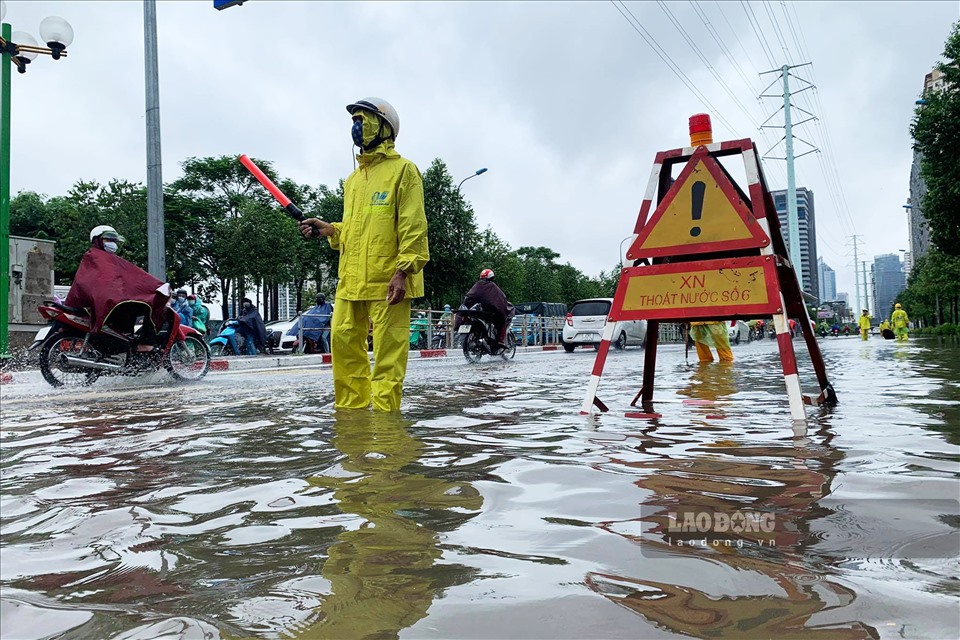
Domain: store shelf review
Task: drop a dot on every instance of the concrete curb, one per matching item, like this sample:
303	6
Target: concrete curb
244	363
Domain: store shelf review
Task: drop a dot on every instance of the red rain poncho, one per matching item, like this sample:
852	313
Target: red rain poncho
105	280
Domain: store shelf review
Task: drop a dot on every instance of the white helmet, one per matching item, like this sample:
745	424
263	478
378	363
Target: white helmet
108	233
380	107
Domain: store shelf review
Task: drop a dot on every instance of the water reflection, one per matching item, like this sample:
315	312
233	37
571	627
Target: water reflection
381	573
739	516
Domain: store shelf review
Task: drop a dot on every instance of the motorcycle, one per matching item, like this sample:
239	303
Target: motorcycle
418	334
480	335
71	354
220	346
439	335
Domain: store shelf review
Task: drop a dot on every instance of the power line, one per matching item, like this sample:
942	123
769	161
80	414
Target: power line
776	29
713	72
748	10
663	55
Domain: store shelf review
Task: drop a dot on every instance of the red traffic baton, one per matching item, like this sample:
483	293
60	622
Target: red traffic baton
284	201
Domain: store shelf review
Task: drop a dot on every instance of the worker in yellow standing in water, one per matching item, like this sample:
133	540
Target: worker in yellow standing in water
711	334
900	322
864	324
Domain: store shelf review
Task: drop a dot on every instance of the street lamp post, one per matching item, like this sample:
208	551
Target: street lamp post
18	49
472	175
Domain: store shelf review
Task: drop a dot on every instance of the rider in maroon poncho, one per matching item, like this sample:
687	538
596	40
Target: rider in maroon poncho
115	291
493	300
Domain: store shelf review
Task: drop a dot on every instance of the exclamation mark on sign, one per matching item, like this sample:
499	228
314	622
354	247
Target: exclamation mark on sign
698	190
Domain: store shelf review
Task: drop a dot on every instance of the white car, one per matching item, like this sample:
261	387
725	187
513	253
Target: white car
739	331
585	324
277	337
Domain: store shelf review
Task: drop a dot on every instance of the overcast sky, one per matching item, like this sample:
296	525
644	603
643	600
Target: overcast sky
564	102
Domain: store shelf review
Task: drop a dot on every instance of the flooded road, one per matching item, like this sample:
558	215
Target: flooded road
245	506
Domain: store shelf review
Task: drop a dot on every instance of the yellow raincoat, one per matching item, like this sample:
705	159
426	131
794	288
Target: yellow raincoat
900	324
864	324
384	230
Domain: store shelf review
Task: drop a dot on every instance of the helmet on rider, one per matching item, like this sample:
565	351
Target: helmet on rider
898	306
106	232
105	237
446	307
486	274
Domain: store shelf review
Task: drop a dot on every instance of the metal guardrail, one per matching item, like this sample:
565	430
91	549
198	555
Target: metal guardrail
528	330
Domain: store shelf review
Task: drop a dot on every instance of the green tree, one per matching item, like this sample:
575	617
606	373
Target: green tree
540	281
936	133
212	192
452	236
493	253
933	289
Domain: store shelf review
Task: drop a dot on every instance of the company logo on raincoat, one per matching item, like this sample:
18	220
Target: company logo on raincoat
379	199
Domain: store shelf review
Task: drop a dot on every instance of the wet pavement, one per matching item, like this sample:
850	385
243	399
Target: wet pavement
245	506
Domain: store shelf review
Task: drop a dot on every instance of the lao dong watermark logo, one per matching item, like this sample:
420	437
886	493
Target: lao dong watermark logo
738	522
716	529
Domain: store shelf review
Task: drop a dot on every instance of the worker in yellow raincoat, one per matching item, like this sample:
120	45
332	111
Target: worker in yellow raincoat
383	248
864	324
711	334
901	323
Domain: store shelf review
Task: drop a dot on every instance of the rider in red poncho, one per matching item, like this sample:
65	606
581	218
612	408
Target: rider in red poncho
115	291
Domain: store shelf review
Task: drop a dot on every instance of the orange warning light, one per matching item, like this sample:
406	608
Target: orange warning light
701	131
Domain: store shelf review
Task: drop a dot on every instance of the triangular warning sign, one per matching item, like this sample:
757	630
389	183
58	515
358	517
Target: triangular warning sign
701	213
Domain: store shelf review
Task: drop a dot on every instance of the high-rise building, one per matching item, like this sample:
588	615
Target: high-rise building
889	281
917	222
808	235
828	281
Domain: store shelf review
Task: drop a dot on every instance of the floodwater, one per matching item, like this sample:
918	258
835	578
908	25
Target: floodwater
245	506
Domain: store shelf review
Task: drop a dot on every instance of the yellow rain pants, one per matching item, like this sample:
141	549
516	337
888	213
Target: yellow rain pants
707	334
354	384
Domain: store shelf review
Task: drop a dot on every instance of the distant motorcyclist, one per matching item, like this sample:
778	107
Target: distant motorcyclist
251	327
116	291
494	301
182	307
201	315
314	325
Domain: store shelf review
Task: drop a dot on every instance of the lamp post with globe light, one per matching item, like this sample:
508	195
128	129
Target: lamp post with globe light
18	49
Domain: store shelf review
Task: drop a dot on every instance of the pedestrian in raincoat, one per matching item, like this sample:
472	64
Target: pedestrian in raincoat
901	323
864	324
200	313
383	248
711	334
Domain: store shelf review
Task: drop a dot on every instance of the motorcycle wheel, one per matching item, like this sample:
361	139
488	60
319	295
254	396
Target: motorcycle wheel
54	368
189	359
218	350
511	348
471	348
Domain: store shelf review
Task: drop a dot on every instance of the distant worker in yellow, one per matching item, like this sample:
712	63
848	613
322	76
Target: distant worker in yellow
711	334
901	323
864	324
